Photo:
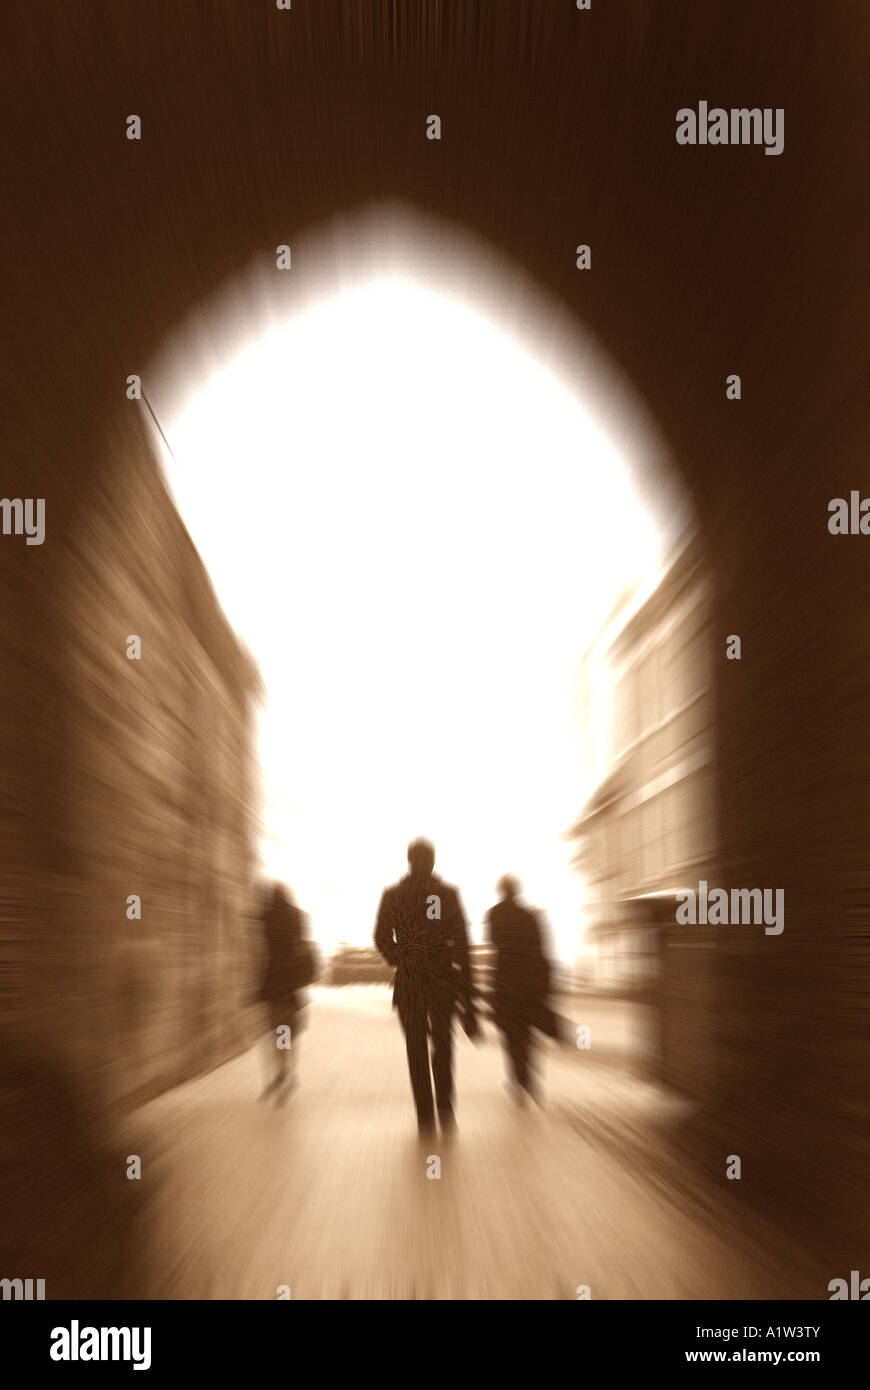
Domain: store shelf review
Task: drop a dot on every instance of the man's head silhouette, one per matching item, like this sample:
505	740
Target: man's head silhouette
281	895
509	887
421	858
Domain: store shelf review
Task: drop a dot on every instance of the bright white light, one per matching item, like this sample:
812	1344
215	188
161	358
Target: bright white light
417	529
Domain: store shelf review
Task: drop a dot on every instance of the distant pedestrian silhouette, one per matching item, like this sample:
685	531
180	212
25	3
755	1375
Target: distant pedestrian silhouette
422	931
523	977
291	964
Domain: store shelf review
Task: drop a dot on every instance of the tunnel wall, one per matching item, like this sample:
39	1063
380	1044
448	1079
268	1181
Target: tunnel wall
150	793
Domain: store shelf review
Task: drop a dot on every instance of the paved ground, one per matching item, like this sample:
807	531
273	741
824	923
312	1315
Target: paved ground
329	1194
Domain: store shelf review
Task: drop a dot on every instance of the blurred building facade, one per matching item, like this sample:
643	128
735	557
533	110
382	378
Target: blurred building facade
648	829
358	965
143	789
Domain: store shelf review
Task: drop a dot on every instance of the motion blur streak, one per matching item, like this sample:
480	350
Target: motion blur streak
669	1051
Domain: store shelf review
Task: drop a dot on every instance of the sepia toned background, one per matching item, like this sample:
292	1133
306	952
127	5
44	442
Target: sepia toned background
124	777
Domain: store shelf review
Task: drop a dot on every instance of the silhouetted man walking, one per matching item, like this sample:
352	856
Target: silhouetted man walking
290	965
522	980
421	930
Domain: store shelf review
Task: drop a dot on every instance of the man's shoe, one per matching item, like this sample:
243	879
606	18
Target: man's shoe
286	1091
447	1120
533	1092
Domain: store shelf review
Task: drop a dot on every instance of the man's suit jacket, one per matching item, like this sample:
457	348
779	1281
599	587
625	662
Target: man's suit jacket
291	961
422	931
522	970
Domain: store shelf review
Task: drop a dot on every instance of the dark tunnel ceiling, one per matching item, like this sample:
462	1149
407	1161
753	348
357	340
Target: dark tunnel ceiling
558	127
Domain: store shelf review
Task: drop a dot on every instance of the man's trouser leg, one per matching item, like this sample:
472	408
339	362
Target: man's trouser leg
280	1015
442	1058
515	1032
519	1048
413	1019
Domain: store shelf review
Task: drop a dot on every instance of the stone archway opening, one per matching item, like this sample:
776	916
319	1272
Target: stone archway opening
422	492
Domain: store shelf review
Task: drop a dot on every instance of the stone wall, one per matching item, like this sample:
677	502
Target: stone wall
150	793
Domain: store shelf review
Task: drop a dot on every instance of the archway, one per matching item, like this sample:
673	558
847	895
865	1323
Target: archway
446	489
